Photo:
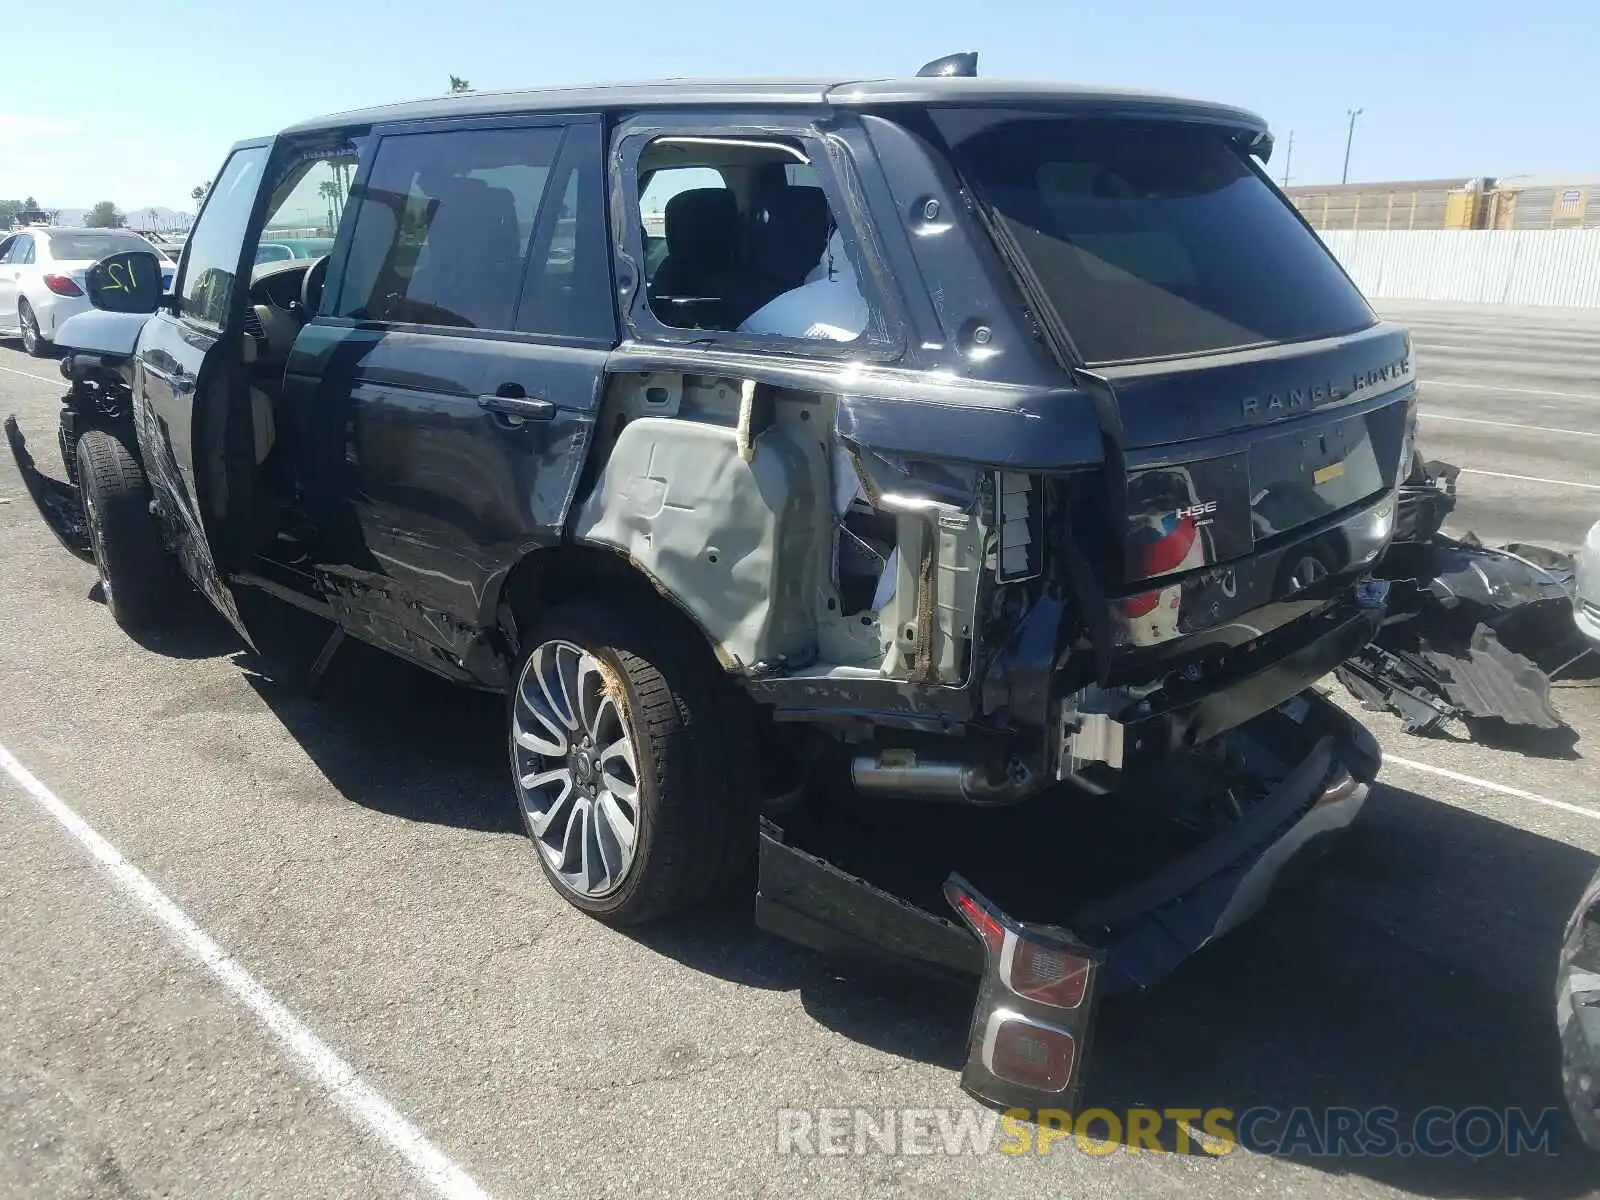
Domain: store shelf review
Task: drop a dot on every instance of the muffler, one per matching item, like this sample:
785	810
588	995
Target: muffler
905	774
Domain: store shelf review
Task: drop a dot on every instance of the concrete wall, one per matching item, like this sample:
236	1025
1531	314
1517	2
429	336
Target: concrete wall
1490	266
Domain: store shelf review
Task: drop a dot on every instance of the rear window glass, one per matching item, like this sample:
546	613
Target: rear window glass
95	244
1152	239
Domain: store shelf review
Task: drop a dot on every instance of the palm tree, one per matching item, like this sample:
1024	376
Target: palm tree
333	195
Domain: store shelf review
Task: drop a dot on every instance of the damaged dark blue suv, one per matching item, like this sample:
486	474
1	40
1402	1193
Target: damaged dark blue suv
945	489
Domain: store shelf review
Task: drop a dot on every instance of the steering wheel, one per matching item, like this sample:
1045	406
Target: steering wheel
311	288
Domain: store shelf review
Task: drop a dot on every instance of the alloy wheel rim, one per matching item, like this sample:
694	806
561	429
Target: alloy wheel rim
575	767
97	543
30	329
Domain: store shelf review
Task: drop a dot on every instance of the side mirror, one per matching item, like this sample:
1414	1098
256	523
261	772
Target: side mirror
126	282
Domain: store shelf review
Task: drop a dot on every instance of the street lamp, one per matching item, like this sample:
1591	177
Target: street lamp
1350	137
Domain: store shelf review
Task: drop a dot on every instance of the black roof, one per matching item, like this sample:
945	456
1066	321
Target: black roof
761	93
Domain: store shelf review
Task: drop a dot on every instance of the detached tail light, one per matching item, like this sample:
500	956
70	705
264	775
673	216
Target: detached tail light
1046	974
1031	1026
62	285
1029	1053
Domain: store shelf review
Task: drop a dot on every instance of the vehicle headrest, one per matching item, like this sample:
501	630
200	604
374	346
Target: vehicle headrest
790	233
702	224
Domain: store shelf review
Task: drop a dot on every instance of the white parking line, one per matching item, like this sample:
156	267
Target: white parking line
1592	487
1503	788
1429	415
314	1056
30	375
1511	391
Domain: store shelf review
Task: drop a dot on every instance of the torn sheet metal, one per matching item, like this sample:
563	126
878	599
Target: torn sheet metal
1472	631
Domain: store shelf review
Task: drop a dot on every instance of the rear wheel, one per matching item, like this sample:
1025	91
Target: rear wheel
32	340
135	570
631	768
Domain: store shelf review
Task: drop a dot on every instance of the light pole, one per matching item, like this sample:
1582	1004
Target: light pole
1349	138
1288	157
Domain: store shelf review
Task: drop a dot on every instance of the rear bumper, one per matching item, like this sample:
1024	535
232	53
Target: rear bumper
1253	680
53	311
1129	936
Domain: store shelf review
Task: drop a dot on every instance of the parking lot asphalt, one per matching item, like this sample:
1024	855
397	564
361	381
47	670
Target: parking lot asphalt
358	855
1512	395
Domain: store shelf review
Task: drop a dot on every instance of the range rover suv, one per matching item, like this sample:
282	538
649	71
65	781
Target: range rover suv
948	488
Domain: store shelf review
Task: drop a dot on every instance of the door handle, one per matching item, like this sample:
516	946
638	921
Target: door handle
522	408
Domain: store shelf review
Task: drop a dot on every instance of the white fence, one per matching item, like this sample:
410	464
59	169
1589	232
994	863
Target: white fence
1487	266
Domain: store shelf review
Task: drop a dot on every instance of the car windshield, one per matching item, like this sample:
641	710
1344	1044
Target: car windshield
1152	239
95	243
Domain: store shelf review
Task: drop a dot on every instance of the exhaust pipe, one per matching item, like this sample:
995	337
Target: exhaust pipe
905	774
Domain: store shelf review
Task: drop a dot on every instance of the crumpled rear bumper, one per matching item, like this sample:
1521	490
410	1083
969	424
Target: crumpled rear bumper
1128	936
58	503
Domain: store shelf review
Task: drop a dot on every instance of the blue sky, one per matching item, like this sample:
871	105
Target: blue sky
136	102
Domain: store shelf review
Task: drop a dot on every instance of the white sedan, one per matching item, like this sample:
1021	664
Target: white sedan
42	278
1588	600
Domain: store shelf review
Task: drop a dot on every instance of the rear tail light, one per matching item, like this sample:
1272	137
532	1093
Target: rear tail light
990	932
1031	1024
1028	1053
1046	974
62	285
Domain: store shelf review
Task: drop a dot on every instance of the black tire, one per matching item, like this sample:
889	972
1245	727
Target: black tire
694	745
135	570
33	341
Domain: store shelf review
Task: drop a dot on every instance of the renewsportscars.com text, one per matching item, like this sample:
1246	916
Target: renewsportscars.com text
1434	1132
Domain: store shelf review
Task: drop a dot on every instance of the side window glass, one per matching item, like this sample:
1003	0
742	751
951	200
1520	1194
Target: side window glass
23	254
306	208
568	292
443	227
6	246
211	255
757	251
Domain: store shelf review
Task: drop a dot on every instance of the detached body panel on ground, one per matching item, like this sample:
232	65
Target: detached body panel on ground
1051	532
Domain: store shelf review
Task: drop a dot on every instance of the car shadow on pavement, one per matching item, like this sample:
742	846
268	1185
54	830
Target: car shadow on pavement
387	735
1412	967
192	628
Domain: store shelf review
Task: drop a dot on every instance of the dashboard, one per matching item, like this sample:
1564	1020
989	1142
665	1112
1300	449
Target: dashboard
278	284
284	295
